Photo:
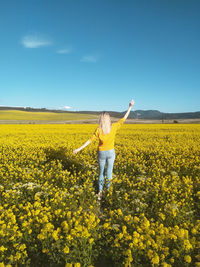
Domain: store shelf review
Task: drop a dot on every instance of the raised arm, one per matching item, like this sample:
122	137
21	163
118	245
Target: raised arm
81	147
129	109
93	137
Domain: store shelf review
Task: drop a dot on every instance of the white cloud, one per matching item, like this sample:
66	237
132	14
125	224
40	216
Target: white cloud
35	41
64	51
89	58
67	107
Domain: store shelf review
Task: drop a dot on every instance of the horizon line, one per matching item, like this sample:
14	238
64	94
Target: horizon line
62	109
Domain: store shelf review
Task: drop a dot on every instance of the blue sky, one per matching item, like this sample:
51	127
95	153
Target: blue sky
98	55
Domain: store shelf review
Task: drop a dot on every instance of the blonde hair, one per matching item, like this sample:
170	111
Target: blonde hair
105	123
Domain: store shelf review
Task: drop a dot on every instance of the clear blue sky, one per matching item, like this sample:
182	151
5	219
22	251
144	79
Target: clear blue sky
97	55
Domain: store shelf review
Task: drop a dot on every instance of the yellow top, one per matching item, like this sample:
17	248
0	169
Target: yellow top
106	141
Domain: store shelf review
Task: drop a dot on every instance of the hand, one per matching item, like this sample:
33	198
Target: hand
131	103
75	151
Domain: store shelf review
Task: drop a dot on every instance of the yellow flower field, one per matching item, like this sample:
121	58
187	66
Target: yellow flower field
23	116
49	213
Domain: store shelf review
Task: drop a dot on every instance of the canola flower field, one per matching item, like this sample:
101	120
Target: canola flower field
23	116
49	213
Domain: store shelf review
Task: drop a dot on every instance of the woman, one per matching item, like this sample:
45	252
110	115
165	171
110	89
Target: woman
106	153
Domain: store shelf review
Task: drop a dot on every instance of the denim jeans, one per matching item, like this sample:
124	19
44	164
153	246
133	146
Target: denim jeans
105	157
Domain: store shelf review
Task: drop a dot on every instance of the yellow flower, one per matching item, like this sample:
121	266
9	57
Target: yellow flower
69	214
187	244
91	240
120	235
22	247
162	216
175	252
155	259
136	219
187	258
150	253
2	248
124	229
41	236
55	235
181	233
194	231
146	223
69	237
66	250
106	225
44	250
119	212
135	240
65	226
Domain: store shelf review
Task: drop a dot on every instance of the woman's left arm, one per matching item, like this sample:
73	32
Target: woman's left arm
81	147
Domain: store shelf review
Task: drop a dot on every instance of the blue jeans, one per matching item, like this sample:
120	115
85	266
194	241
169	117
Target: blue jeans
106	156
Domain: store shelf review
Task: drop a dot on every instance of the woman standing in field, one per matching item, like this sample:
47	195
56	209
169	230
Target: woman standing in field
106	153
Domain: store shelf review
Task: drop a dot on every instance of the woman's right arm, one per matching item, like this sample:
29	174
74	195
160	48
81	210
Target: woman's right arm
93	137
81	147
129	109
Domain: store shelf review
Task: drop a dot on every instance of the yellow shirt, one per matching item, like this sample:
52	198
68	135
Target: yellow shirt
106	141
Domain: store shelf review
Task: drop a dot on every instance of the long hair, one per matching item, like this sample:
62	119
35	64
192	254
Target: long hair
105	123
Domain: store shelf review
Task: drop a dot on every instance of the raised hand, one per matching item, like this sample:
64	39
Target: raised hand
131	103
75	151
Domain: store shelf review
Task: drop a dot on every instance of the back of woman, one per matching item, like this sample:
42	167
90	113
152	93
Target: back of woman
106	140
105	133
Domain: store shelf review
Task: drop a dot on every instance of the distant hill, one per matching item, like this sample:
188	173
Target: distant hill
157	115
137	114
149	114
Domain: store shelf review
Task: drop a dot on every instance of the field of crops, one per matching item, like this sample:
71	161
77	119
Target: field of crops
49	213
19	115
